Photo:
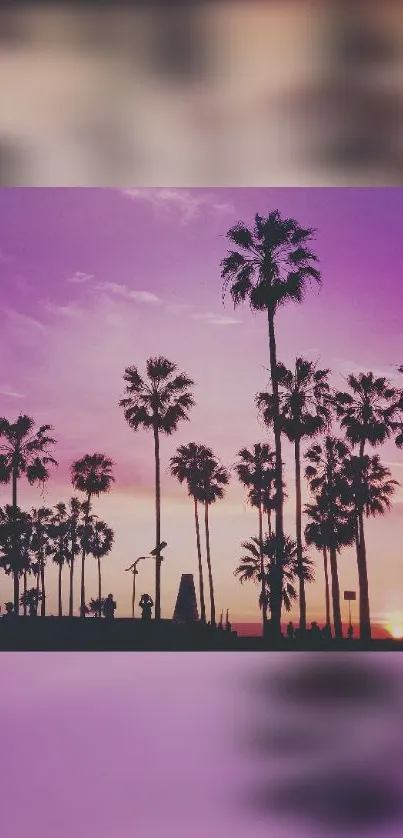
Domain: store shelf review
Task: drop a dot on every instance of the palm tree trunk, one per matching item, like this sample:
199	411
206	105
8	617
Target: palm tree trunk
338	632
60	591
199	558
210	575
269	522
25	593
277	593
99	584
263	582
43	600
38	576
71	587
327	593
16	577
298	517
365	618
82	593
157	524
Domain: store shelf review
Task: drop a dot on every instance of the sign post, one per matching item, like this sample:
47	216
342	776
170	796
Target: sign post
350	596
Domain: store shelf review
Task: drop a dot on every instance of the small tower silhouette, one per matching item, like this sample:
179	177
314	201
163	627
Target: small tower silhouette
186	603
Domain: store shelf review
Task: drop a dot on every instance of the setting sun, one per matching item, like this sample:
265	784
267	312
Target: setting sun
396	630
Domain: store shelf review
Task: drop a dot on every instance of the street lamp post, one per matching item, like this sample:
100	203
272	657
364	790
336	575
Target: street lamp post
133	569
156	554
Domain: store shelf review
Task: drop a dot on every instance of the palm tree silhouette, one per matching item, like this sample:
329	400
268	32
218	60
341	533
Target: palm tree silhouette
329	524
76	516
99	543
41	546
305	411
92	474
213	478
15	542
327	482
30	600
186	466
157	402
59	530
250	565
368	415
371	489
24	450
255	470
271	266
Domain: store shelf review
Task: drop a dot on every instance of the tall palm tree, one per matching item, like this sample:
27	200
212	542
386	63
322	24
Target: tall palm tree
249	568
368	415
24	449
60	534
255	470
74	546
157	402
327	482
371	489
99	543
305	411
41	546
323	530
92	475
271	265
15	541
213	478
185	466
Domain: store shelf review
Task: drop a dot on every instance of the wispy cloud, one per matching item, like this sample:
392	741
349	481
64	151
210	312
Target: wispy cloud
186	204
69	310
79	278
5	390
216	319
345	367
178	308
24	320
128	293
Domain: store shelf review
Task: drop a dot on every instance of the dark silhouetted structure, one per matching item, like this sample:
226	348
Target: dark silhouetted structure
186	605
109	607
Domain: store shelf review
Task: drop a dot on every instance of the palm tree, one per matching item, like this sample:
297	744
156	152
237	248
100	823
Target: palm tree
327	482
304	403
185	466
92	474
271	266
30	599
60	533
99	543
371	489
15	540
158	402
24	450
249	568
213	478
76	516
368	415
322	531
41	546
255	470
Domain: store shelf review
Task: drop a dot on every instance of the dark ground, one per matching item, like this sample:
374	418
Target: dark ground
75	634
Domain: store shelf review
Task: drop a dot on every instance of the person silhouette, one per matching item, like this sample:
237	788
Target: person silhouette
109	607
290	631
350	631
146	605
220	624
9	610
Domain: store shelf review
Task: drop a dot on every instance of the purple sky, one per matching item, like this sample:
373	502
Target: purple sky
94	280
